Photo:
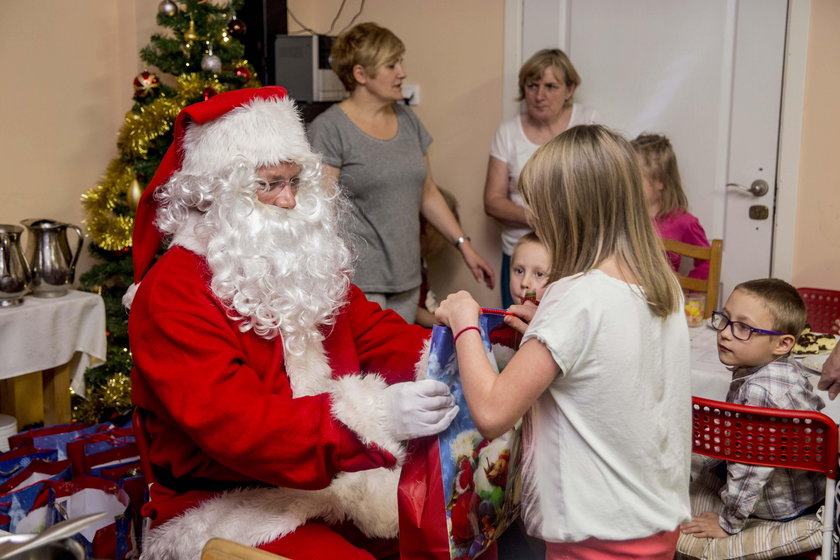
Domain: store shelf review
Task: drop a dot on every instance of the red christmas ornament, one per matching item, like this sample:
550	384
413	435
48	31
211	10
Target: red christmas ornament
209	92
243	73
144	83
237	27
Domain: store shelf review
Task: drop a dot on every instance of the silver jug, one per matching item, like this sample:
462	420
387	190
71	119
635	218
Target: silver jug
14	272
52	263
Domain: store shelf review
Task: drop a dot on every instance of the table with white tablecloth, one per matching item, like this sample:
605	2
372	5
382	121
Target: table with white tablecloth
710	378
60	337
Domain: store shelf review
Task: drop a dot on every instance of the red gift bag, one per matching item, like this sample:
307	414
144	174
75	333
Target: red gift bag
420	502
112	537
109	447
56	436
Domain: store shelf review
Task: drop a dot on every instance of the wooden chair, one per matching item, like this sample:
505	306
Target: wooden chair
710	286
223	549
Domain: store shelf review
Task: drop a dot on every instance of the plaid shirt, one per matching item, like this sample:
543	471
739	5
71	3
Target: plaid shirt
769	492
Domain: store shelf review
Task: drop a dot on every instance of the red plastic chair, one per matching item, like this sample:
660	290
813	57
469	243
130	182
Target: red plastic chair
823	307
792	439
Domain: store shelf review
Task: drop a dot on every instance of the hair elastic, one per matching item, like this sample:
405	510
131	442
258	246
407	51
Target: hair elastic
462	331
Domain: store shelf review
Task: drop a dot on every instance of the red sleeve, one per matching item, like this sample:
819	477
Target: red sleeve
383	341
220	399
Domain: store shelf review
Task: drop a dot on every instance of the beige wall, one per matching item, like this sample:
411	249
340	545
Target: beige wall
68	85
817	242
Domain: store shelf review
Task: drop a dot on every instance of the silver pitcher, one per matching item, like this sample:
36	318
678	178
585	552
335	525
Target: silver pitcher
14	271
52	263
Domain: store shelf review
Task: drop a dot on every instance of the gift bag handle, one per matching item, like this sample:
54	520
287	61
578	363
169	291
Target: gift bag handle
494	311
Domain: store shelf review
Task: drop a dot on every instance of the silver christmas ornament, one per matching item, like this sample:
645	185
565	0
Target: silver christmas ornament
211	63
168	7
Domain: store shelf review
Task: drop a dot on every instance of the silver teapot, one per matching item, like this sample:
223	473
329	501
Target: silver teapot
51	262
14	271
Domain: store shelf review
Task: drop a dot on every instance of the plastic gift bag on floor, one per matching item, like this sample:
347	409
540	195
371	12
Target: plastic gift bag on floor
12	462
19	495
57	436
108	447
458	491
114	536
131	479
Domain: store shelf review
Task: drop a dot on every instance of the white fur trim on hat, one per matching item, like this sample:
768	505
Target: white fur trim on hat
265	132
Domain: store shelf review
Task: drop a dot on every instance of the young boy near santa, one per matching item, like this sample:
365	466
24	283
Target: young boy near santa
756	331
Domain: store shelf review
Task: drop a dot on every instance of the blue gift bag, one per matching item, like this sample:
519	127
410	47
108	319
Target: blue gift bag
459	491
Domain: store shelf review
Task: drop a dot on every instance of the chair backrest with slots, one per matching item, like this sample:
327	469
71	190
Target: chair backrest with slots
793	439
822	306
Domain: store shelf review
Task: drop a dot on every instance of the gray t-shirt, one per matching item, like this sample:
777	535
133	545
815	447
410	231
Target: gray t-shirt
384	182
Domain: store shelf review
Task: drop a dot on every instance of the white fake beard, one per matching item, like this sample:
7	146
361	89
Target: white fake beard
279	271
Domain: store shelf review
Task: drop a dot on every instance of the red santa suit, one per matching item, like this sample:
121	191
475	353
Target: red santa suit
248	441
221	408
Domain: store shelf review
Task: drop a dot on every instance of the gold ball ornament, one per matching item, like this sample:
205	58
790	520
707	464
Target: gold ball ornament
135	191
190	34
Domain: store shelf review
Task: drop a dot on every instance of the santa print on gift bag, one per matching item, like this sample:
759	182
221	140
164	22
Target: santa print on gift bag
458	491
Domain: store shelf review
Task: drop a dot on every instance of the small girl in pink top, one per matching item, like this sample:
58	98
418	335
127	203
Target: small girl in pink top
666	201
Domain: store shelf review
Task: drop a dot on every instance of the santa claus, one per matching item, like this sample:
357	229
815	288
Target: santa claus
275	397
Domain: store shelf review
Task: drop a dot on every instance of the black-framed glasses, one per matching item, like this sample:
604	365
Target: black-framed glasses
267	186
740	330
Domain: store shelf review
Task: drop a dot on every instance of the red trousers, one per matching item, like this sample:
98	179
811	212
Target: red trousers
317	541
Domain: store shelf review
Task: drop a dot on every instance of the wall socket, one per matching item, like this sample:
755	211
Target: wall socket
412	93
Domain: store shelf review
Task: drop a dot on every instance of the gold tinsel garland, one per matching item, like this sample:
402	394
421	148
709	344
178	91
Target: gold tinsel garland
110	231
114	397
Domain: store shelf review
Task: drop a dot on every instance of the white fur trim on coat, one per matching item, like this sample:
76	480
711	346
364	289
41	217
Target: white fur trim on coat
260	515
360	403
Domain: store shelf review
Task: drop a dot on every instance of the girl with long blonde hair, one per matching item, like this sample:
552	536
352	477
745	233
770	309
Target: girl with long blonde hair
601	376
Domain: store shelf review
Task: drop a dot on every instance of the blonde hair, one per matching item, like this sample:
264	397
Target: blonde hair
783	301
584	191
533	68
367	44
660	161
530	237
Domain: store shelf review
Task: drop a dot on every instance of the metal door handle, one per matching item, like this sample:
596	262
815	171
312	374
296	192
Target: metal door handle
759	187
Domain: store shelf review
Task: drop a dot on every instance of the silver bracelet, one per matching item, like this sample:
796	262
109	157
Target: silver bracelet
460	240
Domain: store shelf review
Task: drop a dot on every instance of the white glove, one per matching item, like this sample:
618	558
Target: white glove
419	408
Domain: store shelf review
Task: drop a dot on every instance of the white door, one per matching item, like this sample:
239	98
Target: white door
706	74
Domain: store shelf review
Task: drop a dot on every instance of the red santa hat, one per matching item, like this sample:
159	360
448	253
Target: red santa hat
259	124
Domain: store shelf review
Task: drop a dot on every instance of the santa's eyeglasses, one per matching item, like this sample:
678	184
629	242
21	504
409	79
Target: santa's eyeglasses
268	186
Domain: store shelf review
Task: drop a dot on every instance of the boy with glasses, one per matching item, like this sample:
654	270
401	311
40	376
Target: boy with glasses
756	331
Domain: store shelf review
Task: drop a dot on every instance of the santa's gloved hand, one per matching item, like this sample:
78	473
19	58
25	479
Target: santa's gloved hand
419	408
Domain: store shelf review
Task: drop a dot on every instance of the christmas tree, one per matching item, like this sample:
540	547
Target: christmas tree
200	56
